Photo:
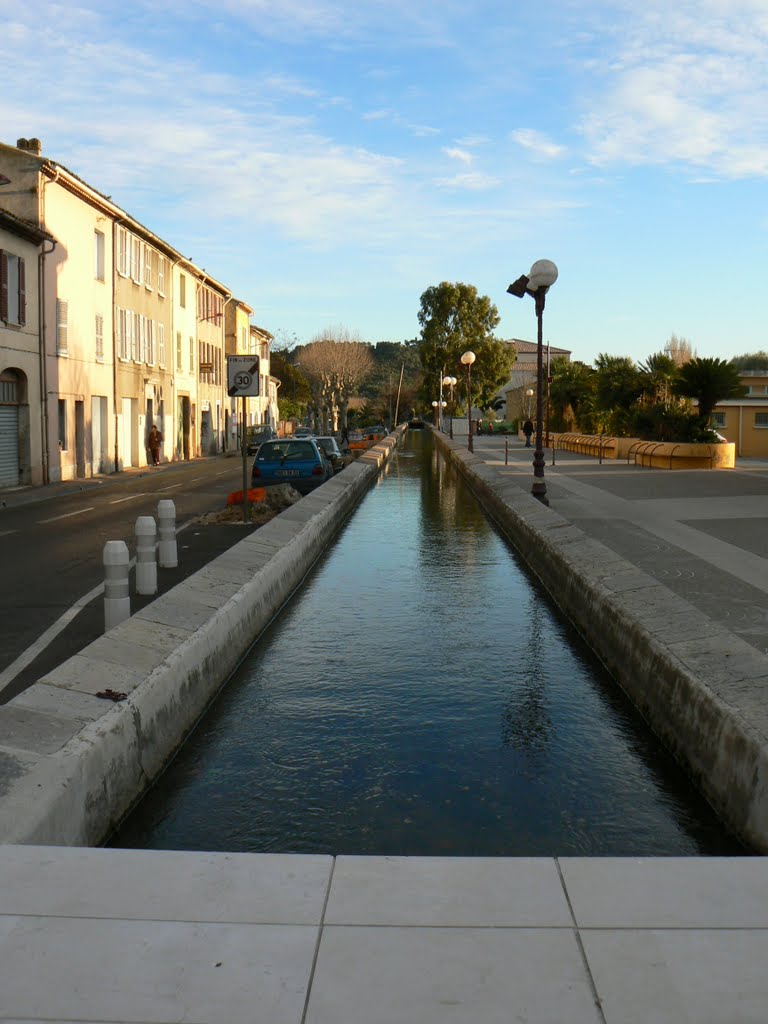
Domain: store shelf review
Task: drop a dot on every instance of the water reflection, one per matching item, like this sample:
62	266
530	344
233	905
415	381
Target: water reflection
421	696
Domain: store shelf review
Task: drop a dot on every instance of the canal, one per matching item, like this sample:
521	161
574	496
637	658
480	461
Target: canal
421	695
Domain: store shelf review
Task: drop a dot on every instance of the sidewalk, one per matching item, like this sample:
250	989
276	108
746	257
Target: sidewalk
702	533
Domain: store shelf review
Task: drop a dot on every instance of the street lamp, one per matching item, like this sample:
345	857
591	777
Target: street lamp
438	407
529	396
451	382
537	283
467	359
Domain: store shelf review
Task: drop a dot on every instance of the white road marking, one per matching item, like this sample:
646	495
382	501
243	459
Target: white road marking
171	488
79	512
224	472
7	533
129	498
195	479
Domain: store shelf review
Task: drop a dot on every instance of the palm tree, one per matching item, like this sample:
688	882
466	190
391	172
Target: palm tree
571	384
658	372
708	381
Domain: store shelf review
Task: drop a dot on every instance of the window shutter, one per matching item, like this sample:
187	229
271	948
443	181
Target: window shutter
22	293
99	336
3	285
62	317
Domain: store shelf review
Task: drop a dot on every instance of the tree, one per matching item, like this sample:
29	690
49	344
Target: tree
707	382
294	391
658	373
751	361
570	387
454	318
679	350
335	362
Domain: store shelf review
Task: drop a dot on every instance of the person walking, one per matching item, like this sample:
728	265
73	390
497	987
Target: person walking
528	431
154	441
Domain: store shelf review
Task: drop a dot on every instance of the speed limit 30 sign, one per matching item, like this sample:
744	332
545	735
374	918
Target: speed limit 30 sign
243	376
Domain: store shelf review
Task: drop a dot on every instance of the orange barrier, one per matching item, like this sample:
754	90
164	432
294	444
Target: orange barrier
255	494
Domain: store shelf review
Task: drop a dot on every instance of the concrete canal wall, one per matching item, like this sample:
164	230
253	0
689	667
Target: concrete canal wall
72	764
700	687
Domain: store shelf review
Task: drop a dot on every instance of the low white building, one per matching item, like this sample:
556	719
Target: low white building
512	401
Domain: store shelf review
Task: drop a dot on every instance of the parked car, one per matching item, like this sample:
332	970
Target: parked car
256	436
300	463
303	432
333	452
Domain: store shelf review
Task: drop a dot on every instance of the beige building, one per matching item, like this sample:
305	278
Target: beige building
22	413
512	401
76	305
744	421
129	333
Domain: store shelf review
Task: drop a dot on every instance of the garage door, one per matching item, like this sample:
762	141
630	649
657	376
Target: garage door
9	446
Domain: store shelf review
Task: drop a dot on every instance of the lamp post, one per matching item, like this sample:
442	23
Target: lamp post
537	283
451	382
467	359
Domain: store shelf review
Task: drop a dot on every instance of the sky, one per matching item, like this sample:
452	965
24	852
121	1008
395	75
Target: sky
329	161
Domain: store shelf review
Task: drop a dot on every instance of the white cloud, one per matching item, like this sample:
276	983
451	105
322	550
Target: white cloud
537	144
458	154
472	182
684	85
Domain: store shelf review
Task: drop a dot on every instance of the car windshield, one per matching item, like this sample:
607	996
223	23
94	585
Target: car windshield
284	451
329	443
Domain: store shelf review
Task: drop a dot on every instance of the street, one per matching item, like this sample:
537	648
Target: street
52	540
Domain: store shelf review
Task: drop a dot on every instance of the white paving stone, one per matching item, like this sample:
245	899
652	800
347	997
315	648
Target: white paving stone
158	972
680	977
158	885
669	892
471	891
449	976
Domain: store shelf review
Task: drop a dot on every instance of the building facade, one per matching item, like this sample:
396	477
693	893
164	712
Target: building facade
108	329
22	411
744	421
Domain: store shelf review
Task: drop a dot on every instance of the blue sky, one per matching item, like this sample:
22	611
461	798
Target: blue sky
329	161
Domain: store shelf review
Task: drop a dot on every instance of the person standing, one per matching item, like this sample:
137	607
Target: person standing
528	431
154	442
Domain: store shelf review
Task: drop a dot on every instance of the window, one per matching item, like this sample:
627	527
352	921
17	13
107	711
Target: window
717	419
99	337
13	295
122	334
140	333
179	353
756	389
123	255
243	339
98	255
135	260
161	344
150	332
63	424
761	420
161	275
130	335
182	291
147	267
191	354
62	318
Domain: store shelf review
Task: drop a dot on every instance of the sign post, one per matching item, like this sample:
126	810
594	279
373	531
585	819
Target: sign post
243	382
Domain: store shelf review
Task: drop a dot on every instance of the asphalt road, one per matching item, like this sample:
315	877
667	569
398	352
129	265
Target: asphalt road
52	541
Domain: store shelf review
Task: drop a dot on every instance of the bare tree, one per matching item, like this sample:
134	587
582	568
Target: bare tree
680	350
336	363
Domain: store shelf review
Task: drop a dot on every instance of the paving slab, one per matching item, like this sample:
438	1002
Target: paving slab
57	968
669	892
442	891
450	976
680	977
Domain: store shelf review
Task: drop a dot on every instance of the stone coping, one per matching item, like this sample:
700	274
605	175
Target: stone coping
701	688
72	764
169	936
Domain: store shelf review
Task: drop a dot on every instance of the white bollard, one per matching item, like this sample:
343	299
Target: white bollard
117	601
167	551
146	563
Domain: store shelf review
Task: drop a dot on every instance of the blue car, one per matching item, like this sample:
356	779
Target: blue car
300	463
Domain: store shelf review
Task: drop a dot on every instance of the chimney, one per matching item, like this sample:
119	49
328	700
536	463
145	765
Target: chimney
30	146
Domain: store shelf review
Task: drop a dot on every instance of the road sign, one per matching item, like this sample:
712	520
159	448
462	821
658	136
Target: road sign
243	376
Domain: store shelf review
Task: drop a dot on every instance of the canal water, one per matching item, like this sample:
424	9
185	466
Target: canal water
420	696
